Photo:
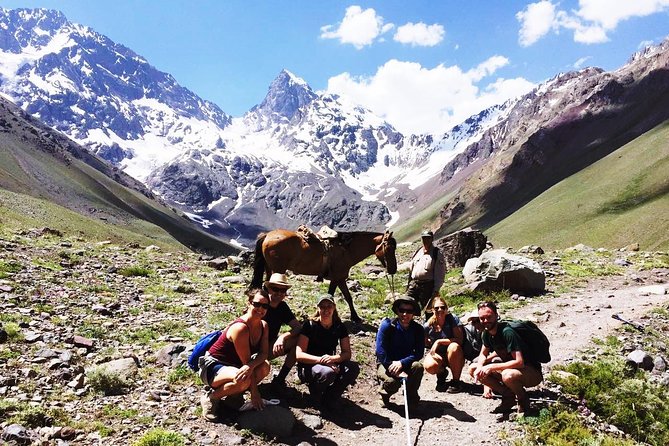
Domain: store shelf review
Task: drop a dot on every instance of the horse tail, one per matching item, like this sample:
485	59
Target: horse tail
258	263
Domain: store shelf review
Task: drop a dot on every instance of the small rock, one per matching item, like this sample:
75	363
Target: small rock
653	289
31	336
77	382
622	262
659	365
80	341
640	359
6	289
151	248
233	279
67	433
219	263
312	421
17	434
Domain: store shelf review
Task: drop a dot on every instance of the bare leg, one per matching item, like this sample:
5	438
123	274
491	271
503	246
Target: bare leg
456	360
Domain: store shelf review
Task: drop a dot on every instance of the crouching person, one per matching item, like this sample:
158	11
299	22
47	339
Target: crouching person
237	361
400	344
444	337
319	366
516	368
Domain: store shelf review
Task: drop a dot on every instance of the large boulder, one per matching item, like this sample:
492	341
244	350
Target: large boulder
462	245
496	270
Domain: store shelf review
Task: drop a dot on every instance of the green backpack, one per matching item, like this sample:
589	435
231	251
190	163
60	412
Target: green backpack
535	339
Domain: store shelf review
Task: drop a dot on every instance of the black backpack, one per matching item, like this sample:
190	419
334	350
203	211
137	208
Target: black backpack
535	339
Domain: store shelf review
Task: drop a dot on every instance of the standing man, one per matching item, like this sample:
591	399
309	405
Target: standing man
400	344
278	314
428	268
517	368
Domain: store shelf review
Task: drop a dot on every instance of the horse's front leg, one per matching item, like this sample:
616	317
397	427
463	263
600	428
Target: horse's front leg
349	300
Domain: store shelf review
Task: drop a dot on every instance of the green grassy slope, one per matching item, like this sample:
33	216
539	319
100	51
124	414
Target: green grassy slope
620	199
37	162
19	211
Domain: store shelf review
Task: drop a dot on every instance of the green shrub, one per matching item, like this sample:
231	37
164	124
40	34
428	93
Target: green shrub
180	375
160	437
561	426
107	382
135	271
13	331
622	397
9	268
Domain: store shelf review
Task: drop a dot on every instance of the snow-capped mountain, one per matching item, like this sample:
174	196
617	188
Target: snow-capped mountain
298	157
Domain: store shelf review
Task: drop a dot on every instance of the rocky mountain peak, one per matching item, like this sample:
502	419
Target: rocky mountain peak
22	28
287	94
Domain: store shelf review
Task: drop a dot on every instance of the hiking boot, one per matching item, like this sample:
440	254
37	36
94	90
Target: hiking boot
385	398
278	387
455	386
506	406
209	408
523	405
441	381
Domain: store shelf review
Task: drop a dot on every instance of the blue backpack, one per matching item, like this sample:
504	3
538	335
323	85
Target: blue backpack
201	347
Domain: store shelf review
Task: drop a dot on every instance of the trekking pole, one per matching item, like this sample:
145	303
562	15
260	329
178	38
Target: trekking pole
406	409
624	321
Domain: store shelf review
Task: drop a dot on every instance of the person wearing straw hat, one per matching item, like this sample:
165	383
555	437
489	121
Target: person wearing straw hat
428	269
326	372
400	344
278	314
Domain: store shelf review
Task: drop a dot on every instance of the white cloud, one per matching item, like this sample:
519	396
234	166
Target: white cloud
609	13
416	99
536	21
359	27
419	34
580	62
590	23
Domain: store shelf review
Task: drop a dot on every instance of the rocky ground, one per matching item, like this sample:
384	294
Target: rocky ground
67	306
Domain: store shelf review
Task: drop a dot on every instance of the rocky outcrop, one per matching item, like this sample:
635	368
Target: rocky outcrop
462	245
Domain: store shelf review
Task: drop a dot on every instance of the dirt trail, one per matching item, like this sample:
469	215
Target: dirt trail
569	321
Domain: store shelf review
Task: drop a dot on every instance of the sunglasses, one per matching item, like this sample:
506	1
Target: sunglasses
405	310
260	305
486	304
439	308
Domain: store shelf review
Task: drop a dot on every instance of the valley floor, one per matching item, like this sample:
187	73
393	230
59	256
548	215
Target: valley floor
132	302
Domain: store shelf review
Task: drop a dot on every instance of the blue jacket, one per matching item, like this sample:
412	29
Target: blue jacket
393	343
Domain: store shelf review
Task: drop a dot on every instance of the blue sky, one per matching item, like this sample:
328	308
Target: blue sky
423	65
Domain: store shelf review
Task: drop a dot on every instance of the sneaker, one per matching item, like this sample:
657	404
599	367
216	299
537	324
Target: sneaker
455	386
209	408
441	386
523	405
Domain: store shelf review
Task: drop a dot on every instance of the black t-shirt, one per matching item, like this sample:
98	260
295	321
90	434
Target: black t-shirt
323	341
276	317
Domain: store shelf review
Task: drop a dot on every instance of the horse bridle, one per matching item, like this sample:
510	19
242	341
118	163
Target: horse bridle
384	259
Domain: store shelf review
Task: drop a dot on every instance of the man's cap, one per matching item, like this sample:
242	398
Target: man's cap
427	233
278	280
326	297
473	315
406	300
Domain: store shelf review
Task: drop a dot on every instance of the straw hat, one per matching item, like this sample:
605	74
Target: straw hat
278	280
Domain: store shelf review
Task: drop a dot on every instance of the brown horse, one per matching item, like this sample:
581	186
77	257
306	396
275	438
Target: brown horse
280	250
